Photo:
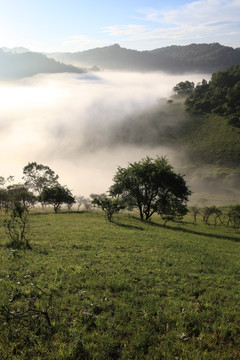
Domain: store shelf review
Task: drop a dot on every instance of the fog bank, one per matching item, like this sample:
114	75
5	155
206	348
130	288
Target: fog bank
84	126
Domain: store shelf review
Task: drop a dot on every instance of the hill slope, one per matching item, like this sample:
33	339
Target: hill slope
19	65
194	58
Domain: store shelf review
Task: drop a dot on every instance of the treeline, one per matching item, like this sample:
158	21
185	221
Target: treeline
221	95
150	186
40	184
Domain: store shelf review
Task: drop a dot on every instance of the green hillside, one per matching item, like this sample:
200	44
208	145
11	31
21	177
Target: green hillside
90	289
210	139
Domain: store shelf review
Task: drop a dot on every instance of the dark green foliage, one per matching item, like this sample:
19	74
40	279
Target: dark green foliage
234	120
108	204
56	196
4	199
184	88
234	216
152	186
16	226
220	96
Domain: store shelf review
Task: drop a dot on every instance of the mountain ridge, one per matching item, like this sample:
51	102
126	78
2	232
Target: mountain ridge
17	65
175	58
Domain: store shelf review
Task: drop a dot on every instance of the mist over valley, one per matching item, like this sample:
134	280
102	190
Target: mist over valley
84	126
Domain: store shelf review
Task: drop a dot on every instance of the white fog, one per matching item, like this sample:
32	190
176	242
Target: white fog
67	121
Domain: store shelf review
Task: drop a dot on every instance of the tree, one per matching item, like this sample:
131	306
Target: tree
20	193
153	187
184	88
109	205
38	176
195	210
4	200
82	200
16	226
56	196
234	216
211	211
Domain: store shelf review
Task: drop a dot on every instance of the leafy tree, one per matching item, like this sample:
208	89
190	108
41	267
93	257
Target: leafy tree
108	204
184	88
212	212
20	193
16	226
56	195
234	216
152	186
38	176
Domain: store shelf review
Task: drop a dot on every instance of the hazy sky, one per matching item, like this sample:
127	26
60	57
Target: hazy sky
72	25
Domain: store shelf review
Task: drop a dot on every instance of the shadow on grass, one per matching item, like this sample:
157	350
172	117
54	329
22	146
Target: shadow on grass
126	226
188	231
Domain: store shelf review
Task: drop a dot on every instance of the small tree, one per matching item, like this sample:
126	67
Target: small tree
16	226
195	210
79	199
20	193
109	205
184	88
56	196
234	216
82	200
212	212
153	187
4	200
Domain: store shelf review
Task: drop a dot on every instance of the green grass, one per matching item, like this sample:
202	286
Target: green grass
211	140
90	289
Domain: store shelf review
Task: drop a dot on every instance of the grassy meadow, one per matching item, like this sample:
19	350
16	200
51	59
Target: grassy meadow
91	289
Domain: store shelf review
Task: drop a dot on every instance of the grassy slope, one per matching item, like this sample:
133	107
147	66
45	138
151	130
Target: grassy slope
128	290
212	161
212	140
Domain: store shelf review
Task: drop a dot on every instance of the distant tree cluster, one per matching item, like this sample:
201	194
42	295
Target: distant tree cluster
214	215
220	96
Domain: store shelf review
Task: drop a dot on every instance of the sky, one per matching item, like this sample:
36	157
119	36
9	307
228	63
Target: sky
76	25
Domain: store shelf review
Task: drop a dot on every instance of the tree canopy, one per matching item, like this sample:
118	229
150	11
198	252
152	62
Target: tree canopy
56	196
108	204
220	96
184	88
38	176
152	186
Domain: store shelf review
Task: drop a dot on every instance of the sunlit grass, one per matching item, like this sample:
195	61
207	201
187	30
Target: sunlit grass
127	289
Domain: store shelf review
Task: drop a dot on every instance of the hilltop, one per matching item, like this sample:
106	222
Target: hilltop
190	58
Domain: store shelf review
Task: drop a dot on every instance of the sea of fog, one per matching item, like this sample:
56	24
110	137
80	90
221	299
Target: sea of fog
77	124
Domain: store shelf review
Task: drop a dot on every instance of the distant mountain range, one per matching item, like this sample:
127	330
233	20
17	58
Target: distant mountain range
178	59
202	58
19	62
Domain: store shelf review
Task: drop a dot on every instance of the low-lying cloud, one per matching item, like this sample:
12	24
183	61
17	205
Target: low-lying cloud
84	126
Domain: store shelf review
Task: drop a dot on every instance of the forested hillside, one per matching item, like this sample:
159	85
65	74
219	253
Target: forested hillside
220	96
190	58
